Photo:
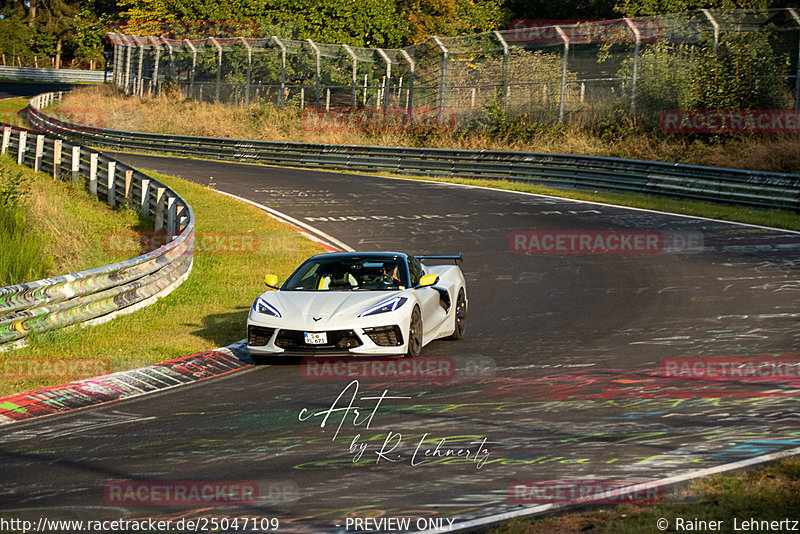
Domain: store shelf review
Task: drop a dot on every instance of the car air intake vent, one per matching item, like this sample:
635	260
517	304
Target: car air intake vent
336	340
385	336
258	336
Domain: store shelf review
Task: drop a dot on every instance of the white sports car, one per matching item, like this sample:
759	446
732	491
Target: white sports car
359	303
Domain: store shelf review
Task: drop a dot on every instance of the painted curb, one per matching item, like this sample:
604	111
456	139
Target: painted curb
123	384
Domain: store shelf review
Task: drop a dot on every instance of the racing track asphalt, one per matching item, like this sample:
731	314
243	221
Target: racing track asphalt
559	370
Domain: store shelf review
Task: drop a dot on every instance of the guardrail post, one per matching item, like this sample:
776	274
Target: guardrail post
355	74
411	67
23	142
37	162
317	72
796	18
172	213
159	218
93	173
6	139
638	39
442	76
128	183
112	184
504	72
283	70
76	163
144	201
57	159
563	96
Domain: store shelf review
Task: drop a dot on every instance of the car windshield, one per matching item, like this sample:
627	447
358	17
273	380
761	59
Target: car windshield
348	274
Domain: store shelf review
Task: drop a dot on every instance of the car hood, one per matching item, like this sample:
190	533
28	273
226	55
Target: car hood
328	306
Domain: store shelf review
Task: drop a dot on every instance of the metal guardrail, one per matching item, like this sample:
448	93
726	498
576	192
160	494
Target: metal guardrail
55	75
733	186
124	286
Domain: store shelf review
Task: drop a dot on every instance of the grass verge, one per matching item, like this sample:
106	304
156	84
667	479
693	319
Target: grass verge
55	228
771	493
236	245
12	111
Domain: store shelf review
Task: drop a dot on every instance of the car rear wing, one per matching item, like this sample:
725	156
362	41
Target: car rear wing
456	258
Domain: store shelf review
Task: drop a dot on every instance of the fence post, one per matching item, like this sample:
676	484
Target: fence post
93	173
317	72
388	78
37	162
796	18
219	66
411	66
504	75
144	201
355	73
715	24
57	159
111	197
23	146
171	56
6	139
563	97
159	218
637	40
128	47
194	66
283	70
249	69
76	163
139	82
157	46
442	76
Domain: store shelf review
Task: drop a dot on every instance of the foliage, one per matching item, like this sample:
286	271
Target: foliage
13	188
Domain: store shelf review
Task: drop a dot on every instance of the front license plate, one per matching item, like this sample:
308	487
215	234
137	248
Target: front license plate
315	338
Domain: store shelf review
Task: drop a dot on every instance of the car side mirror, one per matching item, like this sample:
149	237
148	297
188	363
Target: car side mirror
428	280
271	280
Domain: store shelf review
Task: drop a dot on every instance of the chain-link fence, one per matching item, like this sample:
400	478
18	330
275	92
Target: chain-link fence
707	59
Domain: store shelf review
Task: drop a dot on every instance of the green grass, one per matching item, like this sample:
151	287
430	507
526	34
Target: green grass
12	111
57	228
771	493
207	311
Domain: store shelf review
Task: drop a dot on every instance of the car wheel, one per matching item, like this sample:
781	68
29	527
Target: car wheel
461	316
415	334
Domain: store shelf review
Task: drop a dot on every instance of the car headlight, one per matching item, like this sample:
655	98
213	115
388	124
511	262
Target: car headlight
386	306
262	306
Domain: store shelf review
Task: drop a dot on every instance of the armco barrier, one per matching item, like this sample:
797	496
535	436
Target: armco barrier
120	287
733	186
54	75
